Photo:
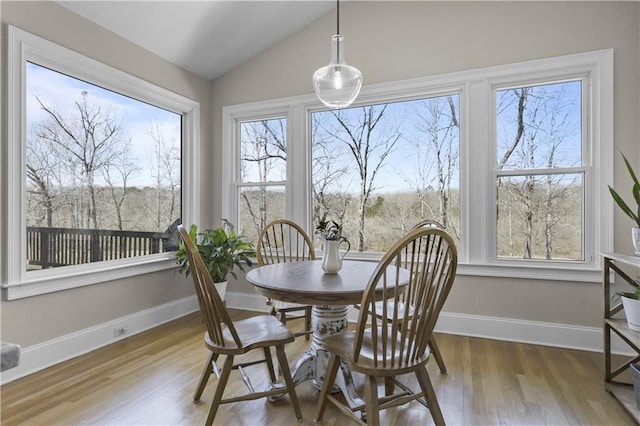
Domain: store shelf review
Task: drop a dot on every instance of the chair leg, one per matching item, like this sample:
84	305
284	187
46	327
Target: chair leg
327	385
307	322
269	361
283	317
222	383
371	401
208	370
286	373
430	395
435	350
389	385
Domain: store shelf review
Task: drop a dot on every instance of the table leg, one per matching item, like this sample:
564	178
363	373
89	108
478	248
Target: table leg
326	320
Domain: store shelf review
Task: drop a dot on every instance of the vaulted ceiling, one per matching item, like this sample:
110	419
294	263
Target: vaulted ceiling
208	38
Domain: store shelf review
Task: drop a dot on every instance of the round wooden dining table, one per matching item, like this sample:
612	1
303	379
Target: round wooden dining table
330	294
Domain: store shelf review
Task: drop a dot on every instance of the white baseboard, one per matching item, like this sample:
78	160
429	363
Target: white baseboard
46	354
43	355
512	330
533	332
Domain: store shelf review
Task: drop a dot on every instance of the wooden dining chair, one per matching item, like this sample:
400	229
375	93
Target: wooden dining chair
226	337
435	350
285	241
395	344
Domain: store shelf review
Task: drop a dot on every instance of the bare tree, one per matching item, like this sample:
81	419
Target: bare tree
88	138
263	150
521	95
40	171
120	168
438	122
165	170
369	148
327	173
542	123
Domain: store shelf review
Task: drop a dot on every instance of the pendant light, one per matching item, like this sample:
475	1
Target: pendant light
338	84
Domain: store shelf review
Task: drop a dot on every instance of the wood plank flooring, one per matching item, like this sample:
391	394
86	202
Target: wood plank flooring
149	379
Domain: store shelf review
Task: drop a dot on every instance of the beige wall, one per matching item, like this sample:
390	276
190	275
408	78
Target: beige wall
388	42
38	319
391	41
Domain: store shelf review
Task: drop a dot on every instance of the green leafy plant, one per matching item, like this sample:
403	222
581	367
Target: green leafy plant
221	252
635	215
635	294
330	230
630	294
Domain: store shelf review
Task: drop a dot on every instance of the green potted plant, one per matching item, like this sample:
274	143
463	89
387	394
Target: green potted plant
631	305
221	251
633	213
331	234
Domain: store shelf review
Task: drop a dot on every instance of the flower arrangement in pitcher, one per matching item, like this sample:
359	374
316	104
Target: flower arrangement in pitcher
329	230
331	234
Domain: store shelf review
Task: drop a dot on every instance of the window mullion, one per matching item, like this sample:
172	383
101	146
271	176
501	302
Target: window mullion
298	172
479	179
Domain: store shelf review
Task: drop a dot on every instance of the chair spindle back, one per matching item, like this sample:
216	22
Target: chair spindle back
430	256
283	241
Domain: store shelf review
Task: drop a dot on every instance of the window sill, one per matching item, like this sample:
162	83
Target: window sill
532	272
508	269
57	279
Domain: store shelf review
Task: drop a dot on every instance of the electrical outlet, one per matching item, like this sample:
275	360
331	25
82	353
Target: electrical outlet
120	331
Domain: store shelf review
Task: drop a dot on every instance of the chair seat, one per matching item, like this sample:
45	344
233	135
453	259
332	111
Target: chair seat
342	344
380	306
254	332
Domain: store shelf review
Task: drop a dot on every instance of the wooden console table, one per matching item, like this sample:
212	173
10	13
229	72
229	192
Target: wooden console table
623	392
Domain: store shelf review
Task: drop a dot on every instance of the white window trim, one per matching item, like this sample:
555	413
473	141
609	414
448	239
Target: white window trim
23	47
476	255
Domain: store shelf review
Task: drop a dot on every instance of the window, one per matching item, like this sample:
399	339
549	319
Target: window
513	160
540	173
380	169
103	172
97	160
263	174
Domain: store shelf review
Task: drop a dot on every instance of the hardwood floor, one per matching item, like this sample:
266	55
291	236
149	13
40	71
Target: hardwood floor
150	378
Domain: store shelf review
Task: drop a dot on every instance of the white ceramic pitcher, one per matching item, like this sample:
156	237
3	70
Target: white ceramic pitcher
332	261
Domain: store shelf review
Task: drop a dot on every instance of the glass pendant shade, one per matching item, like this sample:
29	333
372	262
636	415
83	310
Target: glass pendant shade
338	84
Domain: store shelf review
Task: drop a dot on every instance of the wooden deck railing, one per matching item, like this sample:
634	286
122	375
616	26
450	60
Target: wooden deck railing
51	247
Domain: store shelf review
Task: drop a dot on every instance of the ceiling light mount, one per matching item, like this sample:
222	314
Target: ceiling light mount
337	85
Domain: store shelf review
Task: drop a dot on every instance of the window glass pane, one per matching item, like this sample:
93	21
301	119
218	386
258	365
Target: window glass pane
539	126
103	172
263	150
259	205
380	169
540	217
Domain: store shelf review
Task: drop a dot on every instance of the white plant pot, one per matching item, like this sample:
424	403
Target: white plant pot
222	288
635	235
632	311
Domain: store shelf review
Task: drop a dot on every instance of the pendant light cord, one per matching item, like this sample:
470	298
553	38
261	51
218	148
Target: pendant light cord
338	17
338	29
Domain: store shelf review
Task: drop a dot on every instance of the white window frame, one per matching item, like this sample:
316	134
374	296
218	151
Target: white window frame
477	256
584	168
292	109
25	47
238	183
